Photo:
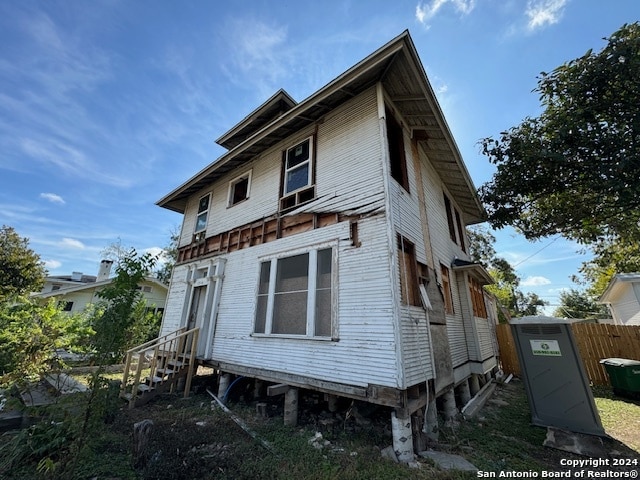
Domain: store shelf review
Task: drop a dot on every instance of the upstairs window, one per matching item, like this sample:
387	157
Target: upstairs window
397	158
460	230
295	295
297	174
239	189
448	209
203	211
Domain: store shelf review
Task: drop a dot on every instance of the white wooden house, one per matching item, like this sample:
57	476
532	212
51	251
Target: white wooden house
622	296
77	291
311	249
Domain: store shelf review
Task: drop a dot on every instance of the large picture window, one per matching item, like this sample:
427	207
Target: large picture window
295	295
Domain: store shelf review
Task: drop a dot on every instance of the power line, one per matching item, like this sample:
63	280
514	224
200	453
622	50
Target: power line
536	252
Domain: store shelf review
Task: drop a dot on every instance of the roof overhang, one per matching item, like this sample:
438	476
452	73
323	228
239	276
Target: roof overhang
616	286
397	66
475	269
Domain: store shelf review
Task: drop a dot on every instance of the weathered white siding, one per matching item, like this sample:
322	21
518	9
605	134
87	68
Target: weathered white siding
626	308
366	350
348	147
444	251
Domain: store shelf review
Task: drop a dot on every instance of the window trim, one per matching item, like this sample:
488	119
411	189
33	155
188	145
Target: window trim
308	161
303	194
231	189
201	213
409	280
445	276
311	293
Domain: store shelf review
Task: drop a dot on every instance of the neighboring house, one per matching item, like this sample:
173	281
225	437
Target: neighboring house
622	296
77	291
326	249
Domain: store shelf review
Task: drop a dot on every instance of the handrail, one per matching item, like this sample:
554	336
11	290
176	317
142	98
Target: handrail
145	346
171	347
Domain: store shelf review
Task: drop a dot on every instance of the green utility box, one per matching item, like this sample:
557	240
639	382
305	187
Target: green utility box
624	375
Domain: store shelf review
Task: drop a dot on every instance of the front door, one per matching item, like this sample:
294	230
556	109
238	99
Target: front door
197	317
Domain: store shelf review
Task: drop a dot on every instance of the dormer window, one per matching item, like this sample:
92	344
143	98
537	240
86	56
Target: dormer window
297	175
203	211
239	189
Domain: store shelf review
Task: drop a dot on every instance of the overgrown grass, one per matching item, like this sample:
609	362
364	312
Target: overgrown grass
620	416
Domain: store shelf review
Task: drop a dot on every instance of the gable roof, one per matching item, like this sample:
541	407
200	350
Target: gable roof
616	286
88	286
398	67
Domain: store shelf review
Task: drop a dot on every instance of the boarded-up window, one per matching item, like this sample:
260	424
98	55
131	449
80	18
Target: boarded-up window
397	157
477	298
446	290
295	295
409	291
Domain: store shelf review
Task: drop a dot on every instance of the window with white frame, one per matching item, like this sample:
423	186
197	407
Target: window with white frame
295	295
203	211
297	174
239	189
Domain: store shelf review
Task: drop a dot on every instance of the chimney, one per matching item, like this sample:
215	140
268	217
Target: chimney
105	270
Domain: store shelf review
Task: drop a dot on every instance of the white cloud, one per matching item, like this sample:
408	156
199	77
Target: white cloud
72	243
53	198
535	281
425	12
542	13
52	264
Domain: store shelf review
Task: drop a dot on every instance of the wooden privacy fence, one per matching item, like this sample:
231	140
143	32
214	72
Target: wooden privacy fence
595	341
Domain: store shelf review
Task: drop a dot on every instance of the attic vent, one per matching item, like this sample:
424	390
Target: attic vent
550	329
531	329
146	289
541	329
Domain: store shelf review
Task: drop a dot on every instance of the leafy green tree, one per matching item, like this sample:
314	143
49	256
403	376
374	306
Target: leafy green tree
506	288
574	169
31	335
170	257
116	325
21	270
579	304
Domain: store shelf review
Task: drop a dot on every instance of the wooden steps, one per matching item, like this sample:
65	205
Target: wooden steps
168	360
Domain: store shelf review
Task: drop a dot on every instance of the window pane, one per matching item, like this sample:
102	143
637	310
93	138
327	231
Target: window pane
204	204
298	154
261	313
201	222
290	313
292	273
265	270
297	178
324	269
323	313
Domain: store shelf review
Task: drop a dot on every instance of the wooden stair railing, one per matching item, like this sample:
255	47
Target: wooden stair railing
168	358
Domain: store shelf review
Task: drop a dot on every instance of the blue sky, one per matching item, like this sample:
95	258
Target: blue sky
106	106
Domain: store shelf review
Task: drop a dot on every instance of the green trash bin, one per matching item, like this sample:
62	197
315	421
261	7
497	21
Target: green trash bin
624	375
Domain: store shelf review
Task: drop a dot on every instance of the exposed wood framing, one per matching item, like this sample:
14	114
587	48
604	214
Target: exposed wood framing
258	232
